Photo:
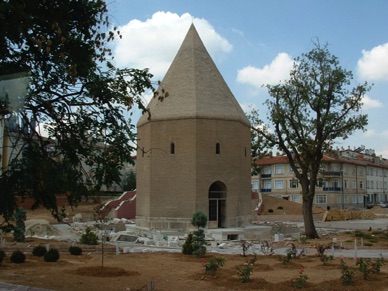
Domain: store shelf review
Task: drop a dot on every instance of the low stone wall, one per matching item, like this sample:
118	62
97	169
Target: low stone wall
337	215
283	218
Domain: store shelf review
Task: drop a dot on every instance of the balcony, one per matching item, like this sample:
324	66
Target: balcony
332	189
265	190
332	173
265	175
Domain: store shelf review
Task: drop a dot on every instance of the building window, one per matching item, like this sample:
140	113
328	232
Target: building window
295	198
267	184
339	199
346	184
320	199
294	184
361	184
360	199
354	199
172	148
354	184
346	198
266	170
218	148
279	169
279	184
255	185
320	183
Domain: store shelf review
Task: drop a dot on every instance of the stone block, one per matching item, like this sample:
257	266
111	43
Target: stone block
161	243
172	244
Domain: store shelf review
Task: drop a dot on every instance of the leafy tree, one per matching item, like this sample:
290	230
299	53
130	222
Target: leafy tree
75	92
199	219
130	181
308	113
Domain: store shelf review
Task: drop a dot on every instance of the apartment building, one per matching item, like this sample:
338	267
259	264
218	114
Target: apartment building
348	179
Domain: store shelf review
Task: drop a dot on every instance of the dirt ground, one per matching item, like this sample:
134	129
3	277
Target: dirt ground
175	271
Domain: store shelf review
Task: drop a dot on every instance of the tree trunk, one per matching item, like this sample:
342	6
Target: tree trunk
307	208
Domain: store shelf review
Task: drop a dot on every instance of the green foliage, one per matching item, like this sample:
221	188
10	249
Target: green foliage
75	92
307	113
52	255
89	237
39	251
213	264
187	247
285	260
199	219
18	257
2	256
347	273
326	259
199	244
301	280
20	217
75	251
303	240
129	182
244	272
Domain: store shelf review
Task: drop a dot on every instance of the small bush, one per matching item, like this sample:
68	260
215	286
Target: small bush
347	273
89	237
244	273
2	256
213	264
39	251
187	248
18	257
51	256
75	251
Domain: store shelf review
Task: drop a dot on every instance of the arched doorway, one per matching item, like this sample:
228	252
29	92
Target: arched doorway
217	205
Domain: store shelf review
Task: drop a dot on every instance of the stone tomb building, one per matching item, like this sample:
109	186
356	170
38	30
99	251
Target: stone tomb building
194	149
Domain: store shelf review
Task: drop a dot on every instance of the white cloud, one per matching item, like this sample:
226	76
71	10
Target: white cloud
273	73
371	103
373	64
153	43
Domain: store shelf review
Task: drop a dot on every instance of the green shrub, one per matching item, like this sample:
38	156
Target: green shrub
244	273
199	219
2	256
18	257
39	251
75	251
199	243
89	237
52	255
187	248
213	264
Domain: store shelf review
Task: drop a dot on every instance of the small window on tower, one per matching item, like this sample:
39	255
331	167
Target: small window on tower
217	148
172	148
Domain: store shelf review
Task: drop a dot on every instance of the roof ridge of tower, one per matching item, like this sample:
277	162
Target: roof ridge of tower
196	88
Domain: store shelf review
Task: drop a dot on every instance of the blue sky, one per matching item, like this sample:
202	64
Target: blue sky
253	42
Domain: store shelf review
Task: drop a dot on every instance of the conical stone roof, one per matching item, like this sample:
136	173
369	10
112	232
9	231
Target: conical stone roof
194	88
